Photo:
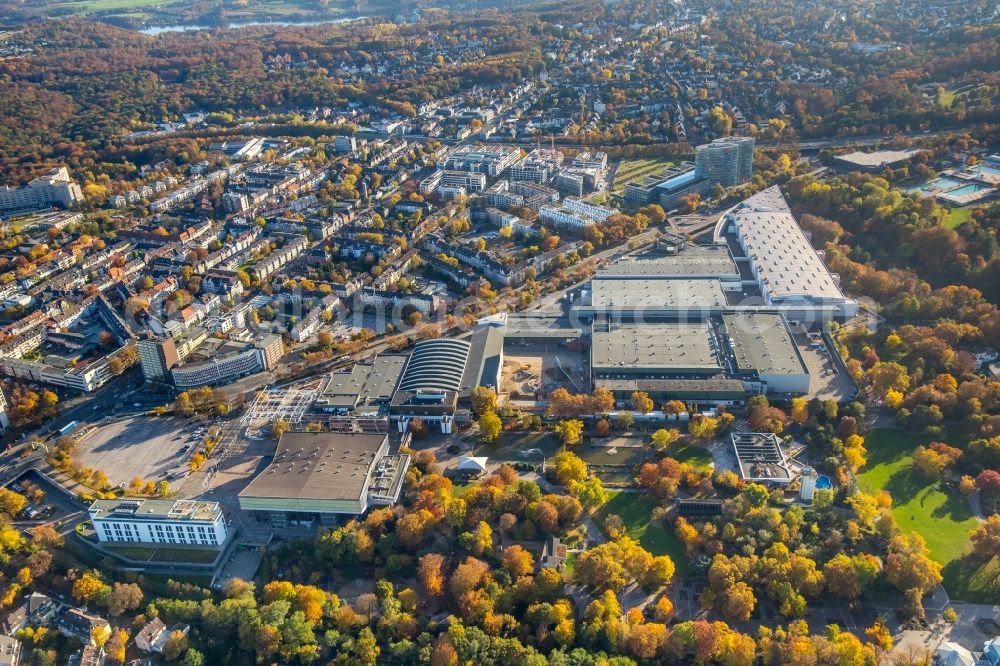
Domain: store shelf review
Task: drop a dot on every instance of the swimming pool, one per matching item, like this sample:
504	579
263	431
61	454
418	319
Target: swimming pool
967	190
823	482
937	185
988	170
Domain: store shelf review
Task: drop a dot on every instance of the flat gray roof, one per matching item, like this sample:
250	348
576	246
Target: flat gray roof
878	157
670	347
526	325
655	294
762	342
695	261
154	509
485	357
371	381
787	265
318	465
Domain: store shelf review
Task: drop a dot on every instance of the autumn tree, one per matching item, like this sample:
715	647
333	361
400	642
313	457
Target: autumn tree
570	431
490	426
430	572
517	560
663	438
12	503
702	427
641	402
483	400
568	467
986	538
123	597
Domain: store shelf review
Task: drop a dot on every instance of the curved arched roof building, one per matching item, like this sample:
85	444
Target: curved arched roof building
437	365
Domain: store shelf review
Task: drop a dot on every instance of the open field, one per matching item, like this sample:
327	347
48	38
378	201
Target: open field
941	515
147	447
636	511
84	7
631	170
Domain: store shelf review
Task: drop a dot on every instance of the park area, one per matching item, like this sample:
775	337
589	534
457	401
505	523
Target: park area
938	513
614	462
636	170
636	511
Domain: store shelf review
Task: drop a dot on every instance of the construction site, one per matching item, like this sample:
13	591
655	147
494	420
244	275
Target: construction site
532	370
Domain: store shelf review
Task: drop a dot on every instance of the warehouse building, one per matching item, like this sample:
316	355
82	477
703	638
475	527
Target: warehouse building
789	273
709	391
367	388
324	475
693	262
654	351
764	354
629	298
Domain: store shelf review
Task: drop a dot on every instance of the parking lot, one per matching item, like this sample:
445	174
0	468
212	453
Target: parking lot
825	380
141	446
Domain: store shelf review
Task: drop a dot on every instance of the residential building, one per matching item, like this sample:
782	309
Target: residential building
539	166
490	161
53	189
78	623
10	651
345	144
154	635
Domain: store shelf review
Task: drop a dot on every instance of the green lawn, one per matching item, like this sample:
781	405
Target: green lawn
941	515
151	554
459	489
636	510
512	446
946	99
192	555
635	170
690	454
956	217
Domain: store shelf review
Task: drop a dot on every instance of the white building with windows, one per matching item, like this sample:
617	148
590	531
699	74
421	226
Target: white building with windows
159	521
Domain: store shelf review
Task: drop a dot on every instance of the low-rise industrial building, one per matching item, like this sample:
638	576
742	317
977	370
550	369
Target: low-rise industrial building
654	350
764	353
323	475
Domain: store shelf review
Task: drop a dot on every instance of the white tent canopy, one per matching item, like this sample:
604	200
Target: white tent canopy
472	463
952	654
